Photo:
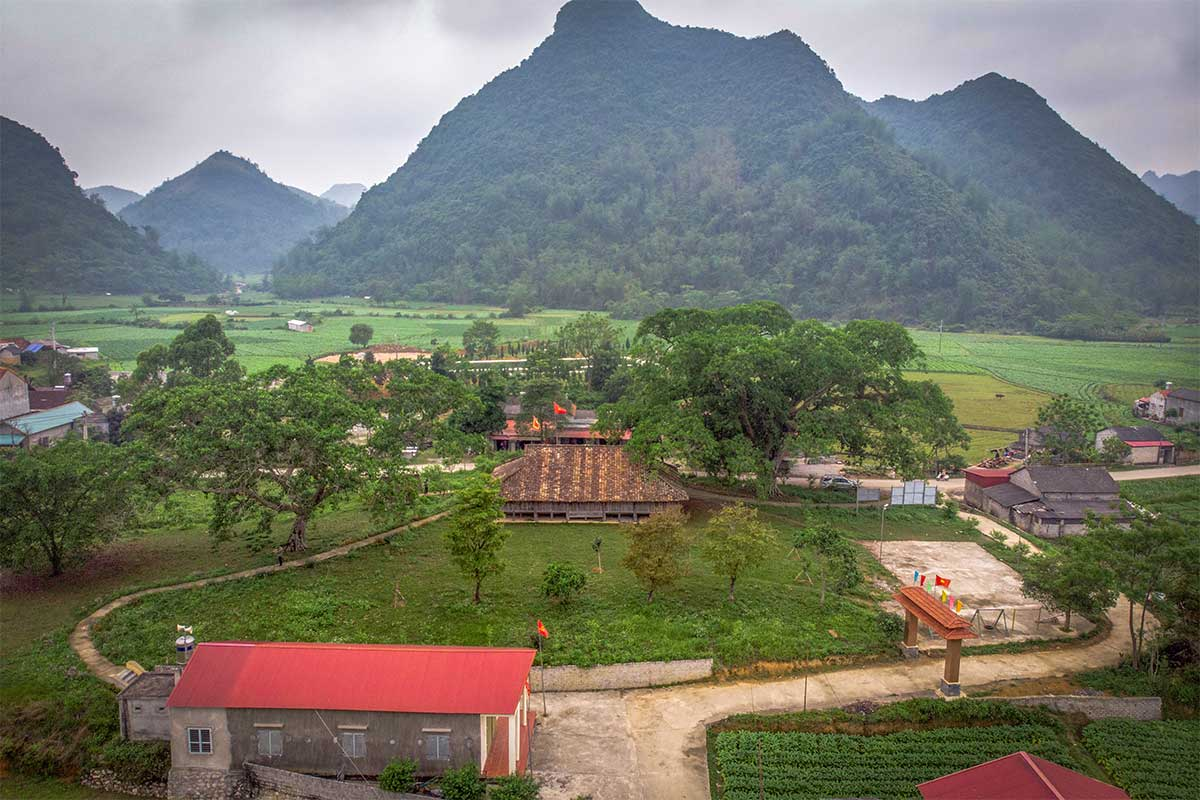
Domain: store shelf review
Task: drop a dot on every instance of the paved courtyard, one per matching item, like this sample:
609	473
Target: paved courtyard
983	583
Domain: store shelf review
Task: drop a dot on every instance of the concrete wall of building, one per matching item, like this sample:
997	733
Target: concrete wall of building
1185	412
276	784
973	495
145	720
215	719
311	739
14	396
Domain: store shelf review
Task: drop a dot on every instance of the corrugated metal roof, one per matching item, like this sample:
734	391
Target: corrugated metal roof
1091	480
1019	776
1142	433
354	677
10	439
38	421
583	473
1009	494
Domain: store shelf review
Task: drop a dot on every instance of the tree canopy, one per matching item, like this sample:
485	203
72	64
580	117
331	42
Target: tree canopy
475	534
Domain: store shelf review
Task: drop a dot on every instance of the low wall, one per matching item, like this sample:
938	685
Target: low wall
279	784
636	675
106	780
1094	706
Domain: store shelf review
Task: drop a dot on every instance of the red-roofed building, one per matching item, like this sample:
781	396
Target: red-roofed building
1019	776
348	709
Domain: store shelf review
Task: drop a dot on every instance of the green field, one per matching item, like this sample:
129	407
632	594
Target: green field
1149	760
261	334
981	399
1177	498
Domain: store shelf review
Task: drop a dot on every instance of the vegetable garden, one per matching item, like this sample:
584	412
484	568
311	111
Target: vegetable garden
1149	760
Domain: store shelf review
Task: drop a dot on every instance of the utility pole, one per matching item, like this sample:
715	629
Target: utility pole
53	351
881	510
940	338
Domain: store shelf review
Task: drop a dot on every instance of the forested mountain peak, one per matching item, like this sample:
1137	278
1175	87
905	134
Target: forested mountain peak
231	213
628	164
346	194
54	237
1182	190
114	197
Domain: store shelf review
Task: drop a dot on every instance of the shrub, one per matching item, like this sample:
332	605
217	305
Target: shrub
400	775
891	625
515	787
562	582
136	762
463	783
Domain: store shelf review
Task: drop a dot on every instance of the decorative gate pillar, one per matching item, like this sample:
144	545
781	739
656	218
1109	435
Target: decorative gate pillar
921	607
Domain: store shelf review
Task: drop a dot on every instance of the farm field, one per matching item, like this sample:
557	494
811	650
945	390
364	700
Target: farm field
1149	760
981	399
408	591
1178	498
261	334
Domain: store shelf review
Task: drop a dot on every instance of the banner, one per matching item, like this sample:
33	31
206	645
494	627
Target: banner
938	580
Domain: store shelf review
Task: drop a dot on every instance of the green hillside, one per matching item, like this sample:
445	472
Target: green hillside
115	198
55	239
628	163
1059	192
230	213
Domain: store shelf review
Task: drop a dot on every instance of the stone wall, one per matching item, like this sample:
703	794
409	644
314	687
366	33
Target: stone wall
197	783
106	780
277	784
634	675
1095	706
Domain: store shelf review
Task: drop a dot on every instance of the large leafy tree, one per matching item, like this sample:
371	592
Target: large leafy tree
1072	424
1072	579
480	339
202	350
730	391
657	550
735	540
475	534
361	333
832	554
59	503
276	443
587	333
418	402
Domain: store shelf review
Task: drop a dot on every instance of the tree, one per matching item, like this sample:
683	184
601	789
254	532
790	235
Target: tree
587	333
1073	425
833	554
202	350
361	333
656	551
59	503
419	403
475	534
562	582
275	443
735	540
602	365
1114	451
730	391
480	339
1070	580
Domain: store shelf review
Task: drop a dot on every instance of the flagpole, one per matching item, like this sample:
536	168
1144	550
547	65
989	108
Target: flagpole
542	663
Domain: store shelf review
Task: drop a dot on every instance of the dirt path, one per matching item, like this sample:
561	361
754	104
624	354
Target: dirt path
105	670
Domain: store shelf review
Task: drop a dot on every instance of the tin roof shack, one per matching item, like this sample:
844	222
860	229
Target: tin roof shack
1146	444
299	325
1182	406
345	709
1018	776
1046	501
142	705
595	483
43	428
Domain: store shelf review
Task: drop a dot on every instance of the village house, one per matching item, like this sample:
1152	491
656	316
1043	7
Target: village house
14	394
1047	501
299	326
583	482
1146	444
345	709
85	353
577	426
1182	407
42	428
10	350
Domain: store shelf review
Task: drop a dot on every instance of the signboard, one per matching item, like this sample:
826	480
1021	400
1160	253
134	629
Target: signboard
914	493
865	495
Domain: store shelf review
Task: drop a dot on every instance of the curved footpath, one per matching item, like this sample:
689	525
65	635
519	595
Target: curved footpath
105	670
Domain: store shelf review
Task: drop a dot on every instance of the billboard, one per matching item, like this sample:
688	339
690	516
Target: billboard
914	493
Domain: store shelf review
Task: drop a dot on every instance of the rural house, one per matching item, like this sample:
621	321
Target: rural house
1182	407
142	705
583	482
1018	776
42	428
14	394
1146	444
345	709
1047	501
299	326
577	426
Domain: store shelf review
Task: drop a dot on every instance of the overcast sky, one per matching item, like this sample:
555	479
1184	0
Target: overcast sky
137	91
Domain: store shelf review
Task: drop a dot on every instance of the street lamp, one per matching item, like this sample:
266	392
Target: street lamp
886	506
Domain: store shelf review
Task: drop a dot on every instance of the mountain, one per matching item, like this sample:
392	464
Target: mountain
227	211
53	238
114	197
1182	190
345	194
628	163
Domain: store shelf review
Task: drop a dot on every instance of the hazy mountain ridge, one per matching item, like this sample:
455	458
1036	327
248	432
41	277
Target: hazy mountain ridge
54	238
229	212
1183	191
628	163
345	194
114	197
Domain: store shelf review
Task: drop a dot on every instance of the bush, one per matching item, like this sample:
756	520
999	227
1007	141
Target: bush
400	775
515	787
891	625
463	783
562	582
136	762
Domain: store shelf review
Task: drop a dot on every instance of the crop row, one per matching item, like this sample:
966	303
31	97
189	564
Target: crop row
1149	760
751	764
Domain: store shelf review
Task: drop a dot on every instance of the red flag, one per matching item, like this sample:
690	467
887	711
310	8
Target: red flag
545	634
938	580
559	409
923	577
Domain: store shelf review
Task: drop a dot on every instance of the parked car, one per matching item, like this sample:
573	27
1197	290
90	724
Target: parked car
838	482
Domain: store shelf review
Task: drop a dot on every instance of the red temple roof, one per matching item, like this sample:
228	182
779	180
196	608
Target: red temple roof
933	613
1019	776
354	677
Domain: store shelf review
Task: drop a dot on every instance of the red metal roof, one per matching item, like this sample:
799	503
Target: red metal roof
990	476
1161	443
1019	776
941	618
354	677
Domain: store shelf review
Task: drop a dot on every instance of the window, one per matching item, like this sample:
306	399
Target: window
200	741
437	746
270	742
355	744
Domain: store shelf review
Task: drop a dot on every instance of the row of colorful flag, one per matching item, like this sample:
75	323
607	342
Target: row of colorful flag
938	582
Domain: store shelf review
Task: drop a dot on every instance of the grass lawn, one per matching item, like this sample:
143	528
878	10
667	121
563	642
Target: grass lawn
19	787
982	399
408	591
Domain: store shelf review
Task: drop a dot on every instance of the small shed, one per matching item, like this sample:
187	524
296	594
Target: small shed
583	482
1019	776
143	706
300	326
